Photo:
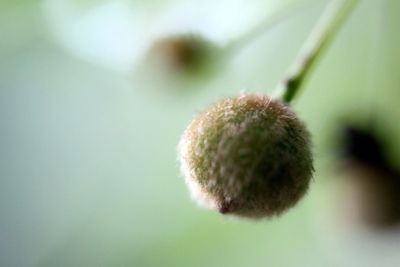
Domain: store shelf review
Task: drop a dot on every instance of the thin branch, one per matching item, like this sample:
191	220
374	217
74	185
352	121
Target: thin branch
328	24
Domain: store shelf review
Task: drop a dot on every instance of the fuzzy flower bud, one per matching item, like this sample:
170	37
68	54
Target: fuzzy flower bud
248	156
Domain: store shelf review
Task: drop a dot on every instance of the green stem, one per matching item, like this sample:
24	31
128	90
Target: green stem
326	27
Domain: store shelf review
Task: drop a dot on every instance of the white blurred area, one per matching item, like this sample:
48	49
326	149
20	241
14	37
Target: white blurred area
116	34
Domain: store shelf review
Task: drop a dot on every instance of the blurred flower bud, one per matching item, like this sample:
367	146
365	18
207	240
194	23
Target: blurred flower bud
375	184
175	59
186	53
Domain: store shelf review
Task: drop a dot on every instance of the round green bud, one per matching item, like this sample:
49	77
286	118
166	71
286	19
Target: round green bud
248	156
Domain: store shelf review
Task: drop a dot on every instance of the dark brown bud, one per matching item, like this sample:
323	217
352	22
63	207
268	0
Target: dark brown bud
248	156
185	54
373	182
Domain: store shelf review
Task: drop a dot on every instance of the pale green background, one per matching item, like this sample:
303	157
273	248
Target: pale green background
88	168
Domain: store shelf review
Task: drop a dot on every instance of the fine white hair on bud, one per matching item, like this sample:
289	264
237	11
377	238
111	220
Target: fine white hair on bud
248	155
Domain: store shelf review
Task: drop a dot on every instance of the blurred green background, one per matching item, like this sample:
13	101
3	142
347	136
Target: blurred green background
88	168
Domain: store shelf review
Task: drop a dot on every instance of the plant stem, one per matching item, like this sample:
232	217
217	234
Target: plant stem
328	24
